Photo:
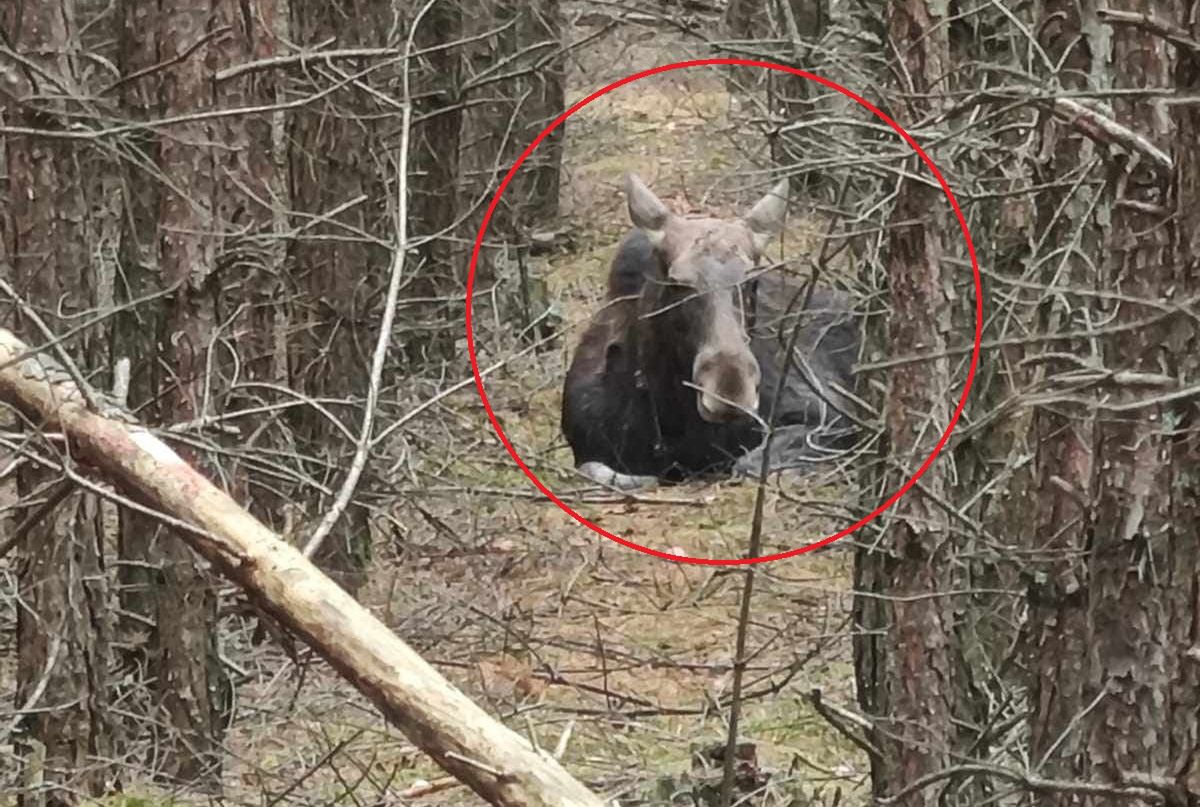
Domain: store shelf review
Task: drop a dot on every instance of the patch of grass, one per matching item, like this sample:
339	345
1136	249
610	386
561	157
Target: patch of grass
146	798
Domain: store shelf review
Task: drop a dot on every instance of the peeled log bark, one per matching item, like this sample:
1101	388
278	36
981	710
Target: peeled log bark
496	763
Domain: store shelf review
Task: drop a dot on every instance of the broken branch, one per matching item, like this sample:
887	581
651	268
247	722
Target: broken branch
1105	130
491	759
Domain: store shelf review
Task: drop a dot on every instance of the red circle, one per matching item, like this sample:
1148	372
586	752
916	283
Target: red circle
768	66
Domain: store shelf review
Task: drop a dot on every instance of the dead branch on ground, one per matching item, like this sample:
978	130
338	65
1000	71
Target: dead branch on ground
496	763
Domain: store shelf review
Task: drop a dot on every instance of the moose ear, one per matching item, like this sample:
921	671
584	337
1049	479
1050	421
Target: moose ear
646	211
765	219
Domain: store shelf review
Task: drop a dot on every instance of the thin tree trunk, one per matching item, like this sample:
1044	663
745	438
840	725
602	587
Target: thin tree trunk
791	27
438	114
533	101
906	668
1062	434
64	630
745	21
179	232
522	77
800	24
1132	661
436	82
8	481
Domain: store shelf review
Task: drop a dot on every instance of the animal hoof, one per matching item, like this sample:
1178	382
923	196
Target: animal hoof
601	474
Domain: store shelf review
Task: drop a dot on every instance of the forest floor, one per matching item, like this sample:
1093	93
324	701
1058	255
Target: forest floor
568	637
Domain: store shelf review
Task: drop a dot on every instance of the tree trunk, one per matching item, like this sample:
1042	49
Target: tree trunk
531	102
52	229
338	176
1116	678
1062	433
189	223
520	82
253	205
792	27
800	24
9	496
1134	663
1182	583
217	171
498	764
436	83
437	125
905	655
745	21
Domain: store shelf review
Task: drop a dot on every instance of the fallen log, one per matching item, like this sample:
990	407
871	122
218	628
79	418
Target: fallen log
498	764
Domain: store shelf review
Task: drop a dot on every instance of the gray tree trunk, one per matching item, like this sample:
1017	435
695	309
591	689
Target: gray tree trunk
338	155
517	87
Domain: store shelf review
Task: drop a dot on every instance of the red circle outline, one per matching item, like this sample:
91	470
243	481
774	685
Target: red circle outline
962	221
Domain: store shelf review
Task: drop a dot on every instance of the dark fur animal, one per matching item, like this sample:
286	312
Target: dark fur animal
687	344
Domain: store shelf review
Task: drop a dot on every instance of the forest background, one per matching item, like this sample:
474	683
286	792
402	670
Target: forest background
248	224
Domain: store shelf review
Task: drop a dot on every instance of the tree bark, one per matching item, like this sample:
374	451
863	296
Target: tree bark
796	25
1183	601
800	24
1135	547
496	763
176	237
189	226
64	628
1114	623
338	185
436	131
905	655
436	85
1062	433
519	84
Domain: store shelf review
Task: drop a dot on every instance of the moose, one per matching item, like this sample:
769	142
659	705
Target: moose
676	375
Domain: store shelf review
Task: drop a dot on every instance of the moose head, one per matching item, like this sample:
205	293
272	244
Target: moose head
698	304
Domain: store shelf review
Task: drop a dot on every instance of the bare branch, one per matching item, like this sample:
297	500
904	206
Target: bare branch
1174	34
1105	130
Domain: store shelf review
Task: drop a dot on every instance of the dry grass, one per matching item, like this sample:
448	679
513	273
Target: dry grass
549	626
